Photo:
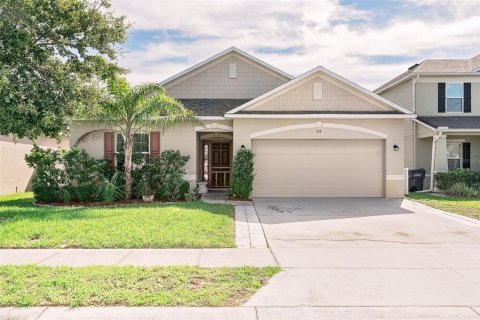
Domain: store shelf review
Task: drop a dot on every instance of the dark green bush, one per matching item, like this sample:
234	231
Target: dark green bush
241	186
45	192
72	175
48	178
174	186
445	180
68	194
87	192
64	175
163	175
184	188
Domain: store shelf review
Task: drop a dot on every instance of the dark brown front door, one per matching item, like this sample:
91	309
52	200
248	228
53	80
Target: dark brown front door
220	164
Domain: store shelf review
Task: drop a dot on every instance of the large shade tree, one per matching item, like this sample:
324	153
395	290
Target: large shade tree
53	56
134	109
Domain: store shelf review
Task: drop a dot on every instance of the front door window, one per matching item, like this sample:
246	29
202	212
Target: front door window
454	155
220	165
206	160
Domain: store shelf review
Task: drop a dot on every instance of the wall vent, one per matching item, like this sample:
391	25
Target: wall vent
317	91
232	71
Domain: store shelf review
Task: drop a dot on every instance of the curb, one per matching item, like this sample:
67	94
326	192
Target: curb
451	215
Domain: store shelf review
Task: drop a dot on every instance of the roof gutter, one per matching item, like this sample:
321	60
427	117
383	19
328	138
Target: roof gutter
211	117
473	74
425	125
394	84
319	116
461	130
446	129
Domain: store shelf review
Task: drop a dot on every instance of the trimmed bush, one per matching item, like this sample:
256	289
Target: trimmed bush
72	175
163	175
446	180
242	175
49	178
64	175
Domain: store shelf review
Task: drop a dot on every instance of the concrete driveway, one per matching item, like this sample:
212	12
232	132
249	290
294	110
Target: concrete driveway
370	253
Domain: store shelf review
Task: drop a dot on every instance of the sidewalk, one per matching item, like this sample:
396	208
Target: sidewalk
139	257
239	313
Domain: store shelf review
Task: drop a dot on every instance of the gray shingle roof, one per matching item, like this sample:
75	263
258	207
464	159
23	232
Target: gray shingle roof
212	107
457	122
440	66
316	112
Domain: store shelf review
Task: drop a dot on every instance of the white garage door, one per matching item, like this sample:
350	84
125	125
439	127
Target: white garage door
318	168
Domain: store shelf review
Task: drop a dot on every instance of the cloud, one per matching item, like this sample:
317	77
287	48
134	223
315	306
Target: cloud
367	44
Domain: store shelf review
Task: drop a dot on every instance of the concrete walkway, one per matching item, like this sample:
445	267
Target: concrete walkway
248	230
139	257
240	313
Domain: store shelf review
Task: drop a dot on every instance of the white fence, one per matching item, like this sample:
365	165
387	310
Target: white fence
405	180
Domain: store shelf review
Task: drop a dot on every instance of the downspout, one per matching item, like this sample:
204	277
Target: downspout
432	167
414	123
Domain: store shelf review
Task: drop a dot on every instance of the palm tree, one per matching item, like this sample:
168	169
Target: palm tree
131	109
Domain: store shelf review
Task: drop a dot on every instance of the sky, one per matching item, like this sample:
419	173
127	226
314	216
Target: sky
368	42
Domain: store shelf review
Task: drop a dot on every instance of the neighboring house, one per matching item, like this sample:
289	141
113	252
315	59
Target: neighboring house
15	175
318	135
445	95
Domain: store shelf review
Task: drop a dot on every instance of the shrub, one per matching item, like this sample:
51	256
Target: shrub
446	180
110	189
44	192
461	189
242	175
64	175
48	178
190	196
80	169
86	192
163	175
68	194
175	187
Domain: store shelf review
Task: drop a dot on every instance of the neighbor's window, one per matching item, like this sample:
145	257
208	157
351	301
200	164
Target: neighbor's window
454	95
454	155
141	145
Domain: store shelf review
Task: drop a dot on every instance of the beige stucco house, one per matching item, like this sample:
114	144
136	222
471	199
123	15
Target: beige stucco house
445	95
316	135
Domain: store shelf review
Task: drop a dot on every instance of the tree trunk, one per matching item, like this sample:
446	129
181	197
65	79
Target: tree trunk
128	147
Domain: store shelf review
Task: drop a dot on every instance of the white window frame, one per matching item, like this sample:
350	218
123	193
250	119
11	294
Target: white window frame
143	152
461	153
447	97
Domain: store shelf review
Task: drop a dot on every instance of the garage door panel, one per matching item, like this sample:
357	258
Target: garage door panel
318	162
331	191
318	168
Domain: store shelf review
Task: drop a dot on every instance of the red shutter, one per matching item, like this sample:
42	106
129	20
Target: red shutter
154	144
109	146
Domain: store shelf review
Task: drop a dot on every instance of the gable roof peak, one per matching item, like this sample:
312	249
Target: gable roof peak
222	54
332	74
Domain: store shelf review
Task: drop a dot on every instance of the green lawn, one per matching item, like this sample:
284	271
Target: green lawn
129	286
183	225
469	207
